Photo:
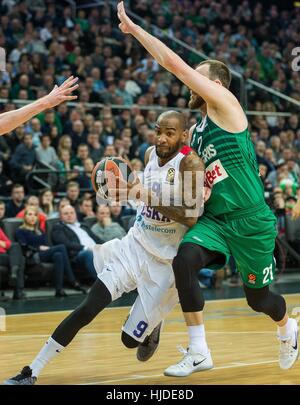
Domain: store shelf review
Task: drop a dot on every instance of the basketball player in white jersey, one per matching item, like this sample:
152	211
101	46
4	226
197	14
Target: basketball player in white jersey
143	258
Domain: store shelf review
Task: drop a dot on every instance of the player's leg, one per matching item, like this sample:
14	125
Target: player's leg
202	246
134	332
190	258
97	299
252	247
157	297
274	305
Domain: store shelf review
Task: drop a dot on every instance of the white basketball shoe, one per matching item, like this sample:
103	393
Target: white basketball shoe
289	350
190	363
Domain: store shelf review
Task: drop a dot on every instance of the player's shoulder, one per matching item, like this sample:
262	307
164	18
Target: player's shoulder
190	160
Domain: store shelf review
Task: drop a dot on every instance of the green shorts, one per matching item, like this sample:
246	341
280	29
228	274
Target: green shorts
247	235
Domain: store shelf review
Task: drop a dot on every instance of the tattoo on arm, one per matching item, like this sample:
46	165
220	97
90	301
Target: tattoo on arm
189	208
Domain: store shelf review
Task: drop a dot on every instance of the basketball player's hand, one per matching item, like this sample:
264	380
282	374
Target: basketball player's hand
62	93
124	190
296	210
127	25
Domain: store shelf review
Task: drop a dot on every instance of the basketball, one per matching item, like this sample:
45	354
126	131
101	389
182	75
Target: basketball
118	167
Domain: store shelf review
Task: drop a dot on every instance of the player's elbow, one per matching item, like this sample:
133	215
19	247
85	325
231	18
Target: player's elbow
174	65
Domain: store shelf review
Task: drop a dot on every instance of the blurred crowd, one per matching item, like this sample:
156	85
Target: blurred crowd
45	43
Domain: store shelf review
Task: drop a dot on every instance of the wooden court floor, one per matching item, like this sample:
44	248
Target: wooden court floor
243	344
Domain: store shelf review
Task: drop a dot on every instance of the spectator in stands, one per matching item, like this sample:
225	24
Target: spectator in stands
34	128
63	165
77	162
116	212
16	204
84	180
105	228
78	134
23	159
137	165
5	182
109	151
95	148
61	204
36	249
78	239
11	256
65	142
149	140
73	192
16	138
46	203
33	201
45	153
85	209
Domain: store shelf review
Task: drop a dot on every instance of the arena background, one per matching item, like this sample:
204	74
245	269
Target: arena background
122	91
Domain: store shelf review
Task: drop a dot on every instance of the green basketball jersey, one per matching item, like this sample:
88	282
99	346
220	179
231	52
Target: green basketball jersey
231	169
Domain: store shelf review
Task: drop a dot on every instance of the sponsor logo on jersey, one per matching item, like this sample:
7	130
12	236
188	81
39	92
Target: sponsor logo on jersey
171	175
208	153
151	213
215	173
251	278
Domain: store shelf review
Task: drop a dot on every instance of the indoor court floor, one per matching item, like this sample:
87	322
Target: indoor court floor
243	344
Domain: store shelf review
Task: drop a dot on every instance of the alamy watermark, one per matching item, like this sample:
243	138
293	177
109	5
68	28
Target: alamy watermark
2	60
173	189
296	60
2	320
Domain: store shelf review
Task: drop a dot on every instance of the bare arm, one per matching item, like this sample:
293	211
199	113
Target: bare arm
12	119
193	193
192	174
213	93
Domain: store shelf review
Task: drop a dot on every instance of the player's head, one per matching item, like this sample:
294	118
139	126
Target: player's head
216	71
171	133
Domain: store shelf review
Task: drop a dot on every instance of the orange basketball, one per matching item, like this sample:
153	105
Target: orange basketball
102	179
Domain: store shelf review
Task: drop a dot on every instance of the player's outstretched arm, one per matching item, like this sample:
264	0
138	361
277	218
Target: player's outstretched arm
210	91
12	119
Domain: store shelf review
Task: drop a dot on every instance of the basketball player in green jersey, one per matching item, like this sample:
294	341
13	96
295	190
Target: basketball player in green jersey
236	219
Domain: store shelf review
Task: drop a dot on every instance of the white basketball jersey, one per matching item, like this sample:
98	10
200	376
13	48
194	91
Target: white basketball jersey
158	234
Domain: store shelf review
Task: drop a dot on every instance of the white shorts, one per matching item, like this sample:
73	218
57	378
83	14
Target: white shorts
124	265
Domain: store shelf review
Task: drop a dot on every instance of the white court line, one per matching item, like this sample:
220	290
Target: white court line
118	333
206	302
141	377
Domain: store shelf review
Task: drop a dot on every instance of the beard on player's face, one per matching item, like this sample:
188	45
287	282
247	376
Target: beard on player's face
165	151
195	101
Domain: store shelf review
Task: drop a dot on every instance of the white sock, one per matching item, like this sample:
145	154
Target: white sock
48	352
197	339
286	331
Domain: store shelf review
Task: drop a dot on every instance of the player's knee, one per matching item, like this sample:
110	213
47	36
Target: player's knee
128	341
186	261
256	305
258	299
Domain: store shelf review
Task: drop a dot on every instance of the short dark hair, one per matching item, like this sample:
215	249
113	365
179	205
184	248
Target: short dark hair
218	70
17	185
85	198
2	202
174	114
